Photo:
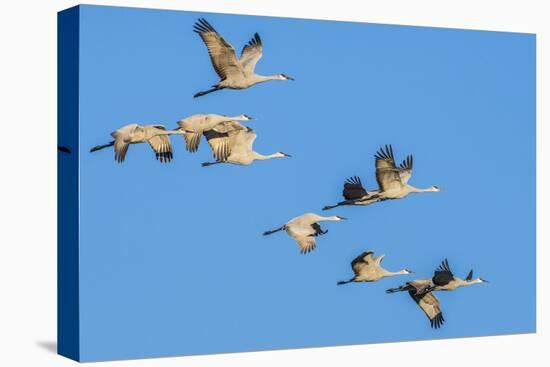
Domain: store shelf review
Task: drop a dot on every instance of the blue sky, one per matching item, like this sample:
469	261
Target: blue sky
172	259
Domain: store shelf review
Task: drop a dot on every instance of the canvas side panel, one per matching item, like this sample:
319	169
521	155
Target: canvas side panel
68	184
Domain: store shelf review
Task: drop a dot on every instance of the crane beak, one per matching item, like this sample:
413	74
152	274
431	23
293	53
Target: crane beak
483	280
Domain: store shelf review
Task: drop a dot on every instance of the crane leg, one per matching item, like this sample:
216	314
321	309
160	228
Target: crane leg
206	164
199	94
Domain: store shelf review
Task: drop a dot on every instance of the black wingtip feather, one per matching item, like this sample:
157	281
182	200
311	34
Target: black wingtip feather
407	163
437	321
385	152
202	26
444	266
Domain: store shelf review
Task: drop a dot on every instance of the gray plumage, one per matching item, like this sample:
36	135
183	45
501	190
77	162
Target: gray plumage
367	268
392	182
304	229
156	135
421	290
233	143
194	127
234	73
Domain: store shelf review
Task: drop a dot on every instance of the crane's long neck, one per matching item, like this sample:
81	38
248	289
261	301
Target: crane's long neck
176	131
394	273
466	283
265	78
331	218
236	118
472	282
416	189
261	157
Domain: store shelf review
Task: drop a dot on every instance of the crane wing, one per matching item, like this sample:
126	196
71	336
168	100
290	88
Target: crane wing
192	141
387	174
405	169
222	54
304	233
121	148
251	53
363	261
219	144
162	147
317	230
429	303
443	274
353	189
228	126
222	138
243	141
125	132
306	243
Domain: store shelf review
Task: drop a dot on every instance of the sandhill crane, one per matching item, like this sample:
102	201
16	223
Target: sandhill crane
392	182
442	280
234	73
155	135
421	290
63	149
368	269
304	229
194	126
232	142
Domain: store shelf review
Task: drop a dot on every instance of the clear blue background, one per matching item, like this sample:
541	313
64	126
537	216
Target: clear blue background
172	259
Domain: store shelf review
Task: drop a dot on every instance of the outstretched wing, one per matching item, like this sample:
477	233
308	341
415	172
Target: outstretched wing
303	232
122	137
405	169
162	147
362	261
251	53
429	303
222	54
387	174
222	138
306	243
243	141
443	274
470	275
121	148
353	189
192	141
